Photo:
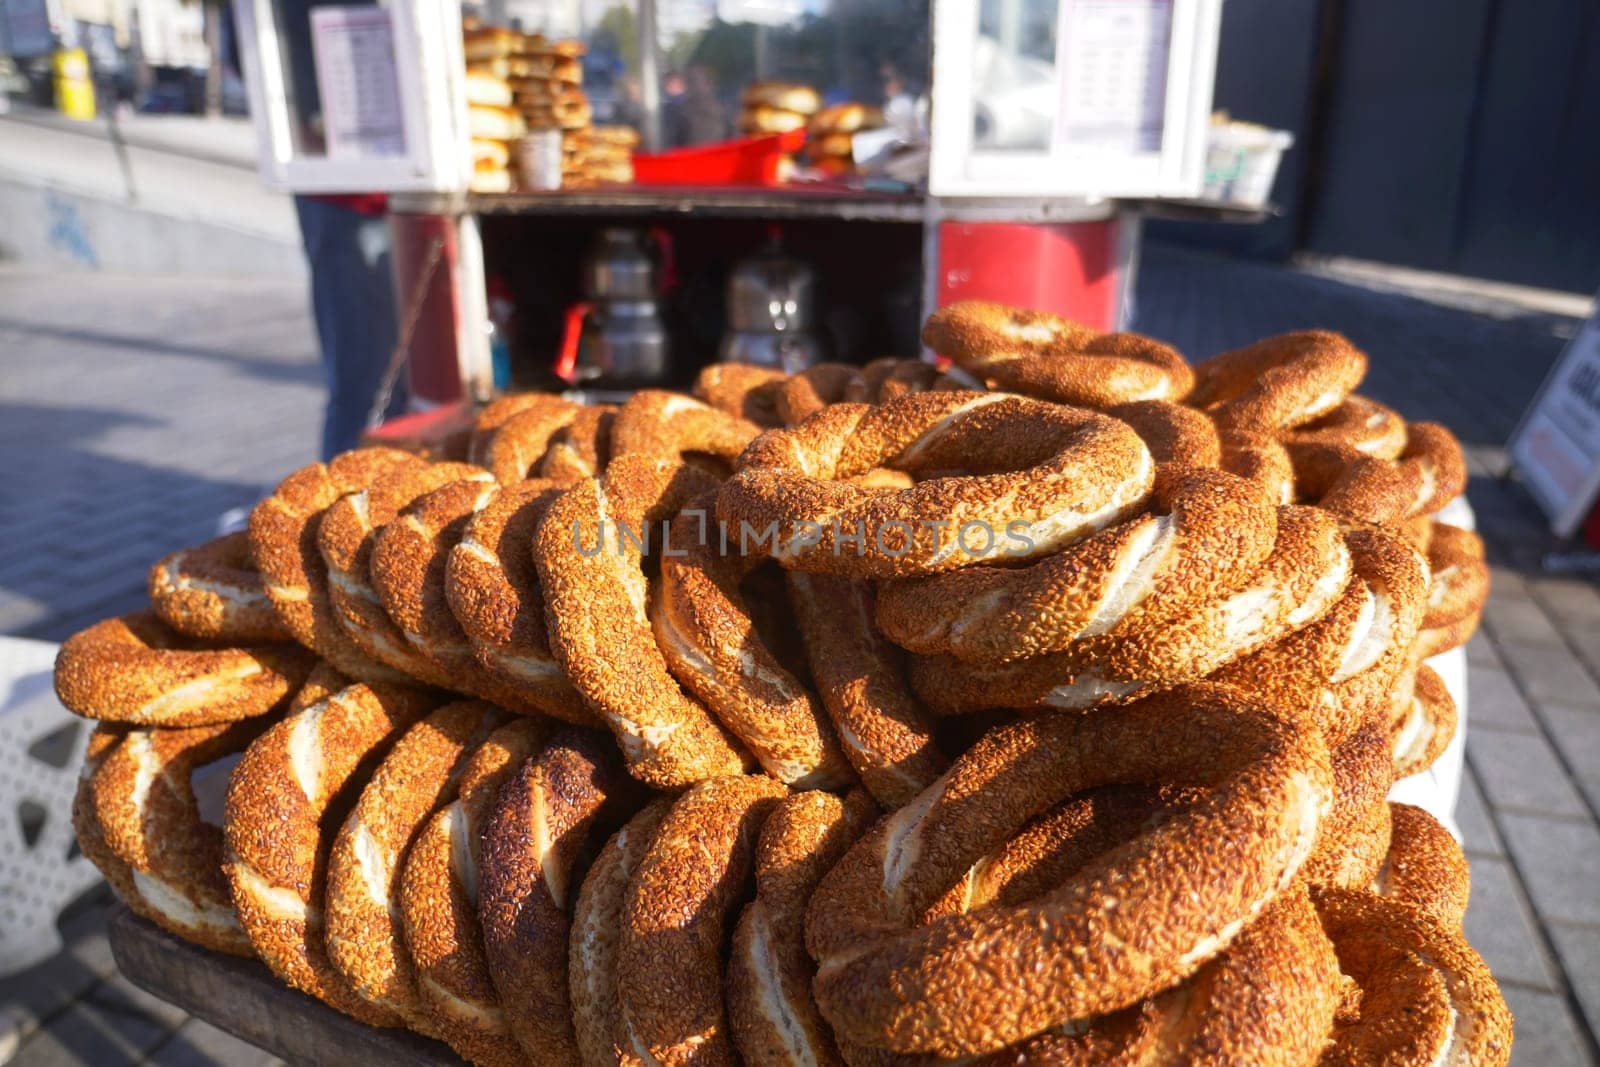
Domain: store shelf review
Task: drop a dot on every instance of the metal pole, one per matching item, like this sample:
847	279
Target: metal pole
649	74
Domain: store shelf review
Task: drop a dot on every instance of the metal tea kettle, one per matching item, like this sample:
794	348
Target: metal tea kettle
771	300
616	336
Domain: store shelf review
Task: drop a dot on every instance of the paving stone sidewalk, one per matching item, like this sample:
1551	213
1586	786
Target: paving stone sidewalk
136	412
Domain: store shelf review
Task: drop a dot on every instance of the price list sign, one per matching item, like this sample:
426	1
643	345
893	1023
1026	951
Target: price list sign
1557	447
358	82
1113	55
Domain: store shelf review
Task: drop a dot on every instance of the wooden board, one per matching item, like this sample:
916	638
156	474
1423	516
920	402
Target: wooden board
245	999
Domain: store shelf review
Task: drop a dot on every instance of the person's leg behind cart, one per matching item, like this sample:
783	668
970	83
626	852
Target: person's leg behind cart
352	299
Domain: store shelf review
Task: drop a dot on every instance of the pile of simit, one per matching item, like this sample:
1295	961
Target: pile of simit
1049	715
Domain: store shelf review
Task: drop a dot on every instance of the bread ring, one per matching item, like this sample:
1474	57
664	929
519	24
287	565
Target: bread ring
1425	866
1300	580
1341	669
1423	725
281	794
970	330
884	732
597	937
771	1015
1054	473
1359	423
214	591
583	448
1262	460
1426	996
408	570
346	536
136	669
103	740
818	386
669	426
1173	433
283	540
742	390
704	630
1459	582
324	680
1280	382
143	811
1206	534
1428	474
977	982
1355	835
518	443
887	378
782	96
539	832
493	591
364	931
679	908
1436	640
439	890
590	568
494	415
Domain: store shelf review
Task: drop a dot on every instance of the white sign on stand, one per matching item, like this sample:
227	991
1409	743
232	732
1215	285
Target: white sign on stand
1557	445
1114	86
358	82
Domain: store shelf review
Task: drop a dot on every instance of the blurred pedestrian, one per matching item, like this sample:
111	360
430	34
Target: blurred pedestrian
697	116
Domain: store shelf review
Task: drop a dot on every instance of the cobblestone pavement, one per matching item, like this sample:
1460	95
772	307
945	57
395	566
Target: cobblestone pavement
135	412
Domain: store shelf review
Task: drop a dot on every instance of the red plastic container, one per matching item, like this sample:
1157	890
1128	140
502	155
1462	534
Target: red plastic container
743	161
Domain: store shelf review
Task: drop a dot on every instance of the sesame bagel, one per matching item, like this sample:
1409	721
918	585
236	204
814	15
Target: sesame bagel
590	560
978	982
1299	581
1173	433
1258	458
492	588
742	390
410	561
1429	473
889	377
143	812
439	893
1204	534
1041	355
283	542
1424	866
670	426
1355	836
1050	476
680	906
346	537
1278	383
365	935
581	449
213	591
1422	724
884	732
1359	423
1426	996
285	789
1341	670
537	837
808	392
597	937
136	669
704	630
517	444
771	1014
1458	584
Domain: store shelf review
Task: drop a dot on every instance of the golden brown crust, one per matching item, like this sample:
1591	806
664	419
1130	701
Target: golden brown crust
1424	866
1358	422
704	629
597	936
1458	583
816	387
513	433
1426	996
883	731
1423	723
1299	581
283	542
583	448
346	537
280	796
1113	933
1055	473
1280	382
136	669
670	426
771	1015
1355	834
680	905
139	809
1429	473
364	933
742	390
537	838
213	591
1172	432
439	904
588	551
